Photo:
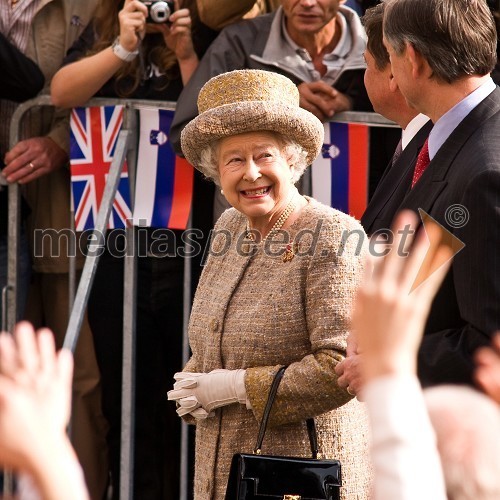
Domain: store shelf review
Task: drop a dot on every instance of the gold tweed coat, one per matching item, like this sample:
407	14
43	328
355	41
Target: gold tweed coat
254	311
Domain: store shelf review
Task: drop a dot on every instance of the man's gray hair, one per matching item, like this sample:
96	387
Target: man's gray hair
294	154
467	426
456	37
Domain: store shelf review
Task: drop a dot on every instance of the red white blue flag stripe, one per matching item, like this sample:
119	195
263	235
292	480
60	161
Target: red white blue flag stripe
164	186
340	173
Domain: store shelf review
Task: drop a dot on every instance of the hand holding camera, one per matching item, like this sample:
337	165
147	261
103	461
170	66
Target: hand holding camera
159	11
176	30
132	20
139	17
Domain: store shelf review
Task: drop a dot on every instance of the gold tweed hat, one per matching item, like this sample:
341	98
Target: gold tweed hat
248	101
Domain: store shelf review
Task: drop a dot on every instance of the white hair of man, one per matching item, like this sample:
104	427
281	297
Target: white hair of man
294	154
467	426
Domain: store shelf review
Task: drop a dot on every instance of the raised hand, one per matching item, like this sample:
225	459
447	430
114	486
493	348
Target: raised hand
389	315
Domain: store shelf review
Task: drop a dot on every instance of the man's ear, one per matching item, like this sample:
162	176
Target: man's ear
393	86
419	66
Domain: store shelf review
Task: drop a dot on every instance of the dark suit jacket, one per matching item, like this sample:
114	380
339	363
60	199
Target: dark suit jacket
394	185
463	176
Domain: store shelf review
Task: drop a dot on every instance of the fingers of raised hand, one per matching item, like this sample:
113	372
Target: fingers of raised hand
28	357
390	267
27	347
8	355
46	350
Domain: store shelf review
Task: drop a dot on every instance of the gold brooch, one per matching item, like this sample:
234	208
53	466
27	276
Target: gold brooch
289	252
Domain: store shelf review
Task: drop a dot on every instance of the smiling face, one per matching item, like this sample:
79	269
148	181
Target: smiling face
254	175
309	16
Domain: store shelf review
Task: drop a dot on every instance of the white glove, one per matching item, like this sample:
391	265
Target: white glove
201	393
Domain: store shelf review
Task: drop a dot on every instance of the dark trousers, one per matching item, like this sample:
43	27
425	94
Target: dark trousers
158	357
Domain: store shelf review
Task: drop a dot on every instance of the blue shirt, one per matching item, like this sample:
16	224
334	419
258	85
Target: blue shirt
452	118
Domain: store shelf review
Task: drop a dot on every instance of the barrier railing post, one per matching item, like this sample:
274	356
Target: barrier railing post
129	329
128	372
88	273
9	295
186	301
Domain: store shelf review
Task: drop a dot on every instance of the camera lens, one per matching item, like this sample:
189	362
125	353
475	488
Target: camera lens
160	12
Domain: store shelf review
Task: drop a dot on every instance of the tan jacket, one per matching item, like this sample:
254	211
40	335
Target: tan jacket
56	25
219	13
259	313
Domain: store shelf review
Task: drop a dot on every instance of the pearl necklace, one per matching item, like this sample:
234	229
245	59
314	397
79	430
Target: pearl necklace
290	207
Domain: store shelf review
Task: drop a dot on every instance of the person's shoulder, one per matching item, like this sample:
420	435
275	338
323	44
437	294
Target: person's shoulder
256	24
332	218
229	220
483	145
80	13
334	230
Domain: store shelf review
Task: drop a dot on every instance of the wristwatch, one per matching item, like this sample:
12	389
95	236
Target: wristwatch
122	53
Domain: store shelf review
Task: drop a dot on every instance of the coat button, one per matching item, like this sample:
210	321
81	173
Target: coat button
214	324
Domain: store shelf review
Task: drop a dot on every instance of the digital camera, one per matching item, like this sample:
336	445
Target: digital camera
158	10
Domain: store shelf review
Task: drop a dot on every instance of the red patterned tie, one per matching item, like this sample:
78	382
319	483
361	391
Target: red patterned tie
423	161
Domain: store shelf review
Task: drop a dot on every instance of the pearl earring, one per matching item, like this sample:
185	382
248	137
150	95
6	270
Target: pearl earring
222	192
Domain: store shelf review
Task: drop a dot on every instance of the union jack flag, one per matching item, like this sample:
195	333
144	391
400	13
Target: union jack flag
94	133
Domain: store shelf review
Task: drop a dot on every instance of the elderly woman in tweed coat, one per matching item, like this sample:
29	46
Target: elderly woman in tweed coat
277	290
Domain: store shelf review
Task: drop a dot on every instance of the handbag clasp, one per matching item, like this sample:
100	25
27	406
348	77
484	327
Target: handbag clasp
292	497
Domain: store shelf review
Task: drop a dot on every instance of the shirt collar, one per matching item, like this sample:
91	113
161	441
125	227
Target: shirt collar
412	129
342	48
344	44
444	127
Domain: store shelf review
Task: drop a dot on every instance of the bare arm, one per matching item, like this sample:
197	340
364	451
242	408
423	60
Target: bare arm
76	83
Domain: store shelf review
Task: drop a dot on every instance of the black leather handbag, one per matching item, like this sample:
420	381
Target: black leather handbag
256	476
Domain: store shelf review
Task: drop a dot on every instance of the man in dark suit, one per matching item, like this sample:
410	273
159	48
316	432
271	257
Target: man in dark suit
387	100
442	53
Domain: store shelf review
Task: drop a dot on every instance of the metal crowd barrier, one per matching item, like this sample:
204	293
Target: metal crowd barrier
126	148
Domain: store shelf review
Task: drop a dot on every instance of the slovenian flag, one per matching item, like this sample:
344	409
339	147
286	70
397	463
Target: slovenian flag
164	181
340	173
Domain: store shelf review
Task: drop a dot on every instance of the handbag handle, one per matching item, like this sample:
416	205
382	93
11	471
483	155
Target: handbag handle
311	427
